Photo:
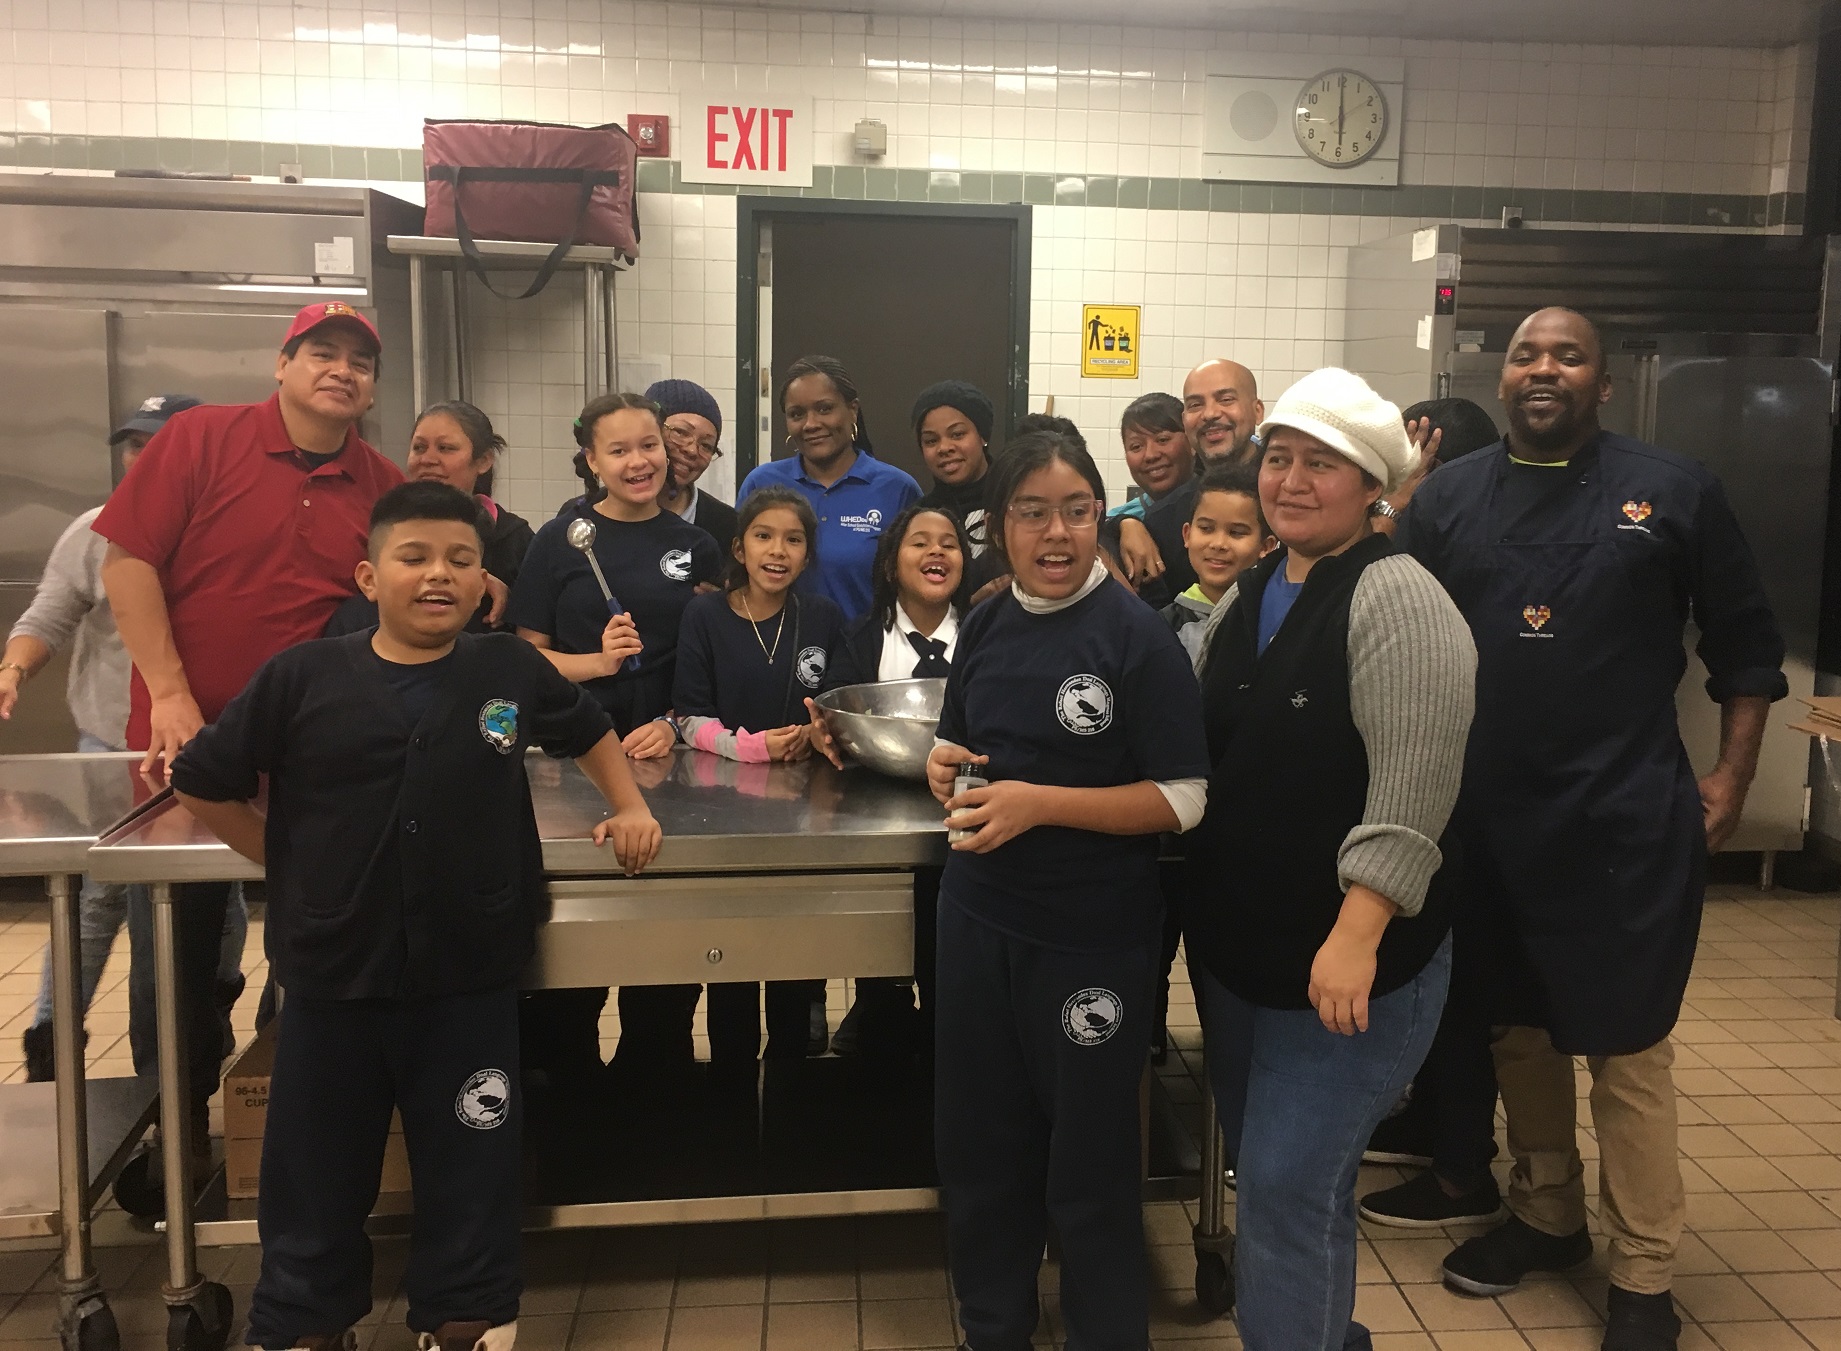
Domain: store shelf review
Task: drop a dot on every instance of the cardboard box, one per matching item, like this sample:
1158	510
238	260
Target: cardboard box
246	1116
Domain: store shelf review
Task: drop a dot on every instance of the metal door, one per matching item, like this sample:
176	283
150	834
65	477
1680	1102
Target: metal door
1762	424
54	466
220	358
902	300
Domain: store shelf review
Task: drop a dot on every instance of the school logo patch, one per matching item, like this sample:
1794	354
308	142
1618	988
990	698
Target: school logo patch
810	667
484	1101
1299	698
1091	1016
1536	616
1638	512
498	723
1084	705
676	565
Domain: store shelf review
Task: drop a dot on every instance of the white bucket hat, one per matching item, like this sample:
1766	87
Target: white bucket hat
1339	409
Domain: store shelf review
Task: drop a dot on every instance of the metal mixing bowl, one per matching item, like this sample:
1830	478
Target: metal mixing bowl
888	726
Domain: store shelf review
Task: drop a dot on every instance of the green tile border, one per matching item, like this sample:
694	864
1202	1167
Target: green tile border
856	182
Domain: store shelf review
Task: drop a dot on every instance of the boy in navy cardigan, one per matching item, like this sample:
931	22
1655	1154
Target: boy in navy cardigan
405	886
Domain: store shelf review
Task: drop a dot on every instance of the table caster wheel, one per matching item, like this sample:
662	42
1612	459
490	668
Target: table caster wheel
203	1324
89	1326
1214	1283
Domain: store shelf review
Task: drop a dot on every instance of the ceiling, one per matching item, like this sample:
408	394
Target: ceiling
1717	23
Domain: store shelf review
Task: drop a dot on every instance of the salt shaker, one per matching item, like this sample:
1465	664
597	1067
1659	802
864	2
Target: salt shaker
970	776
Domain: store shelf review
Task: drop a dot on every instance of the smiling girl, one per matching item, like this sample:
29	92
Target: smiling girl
653	561
1078	703
748	658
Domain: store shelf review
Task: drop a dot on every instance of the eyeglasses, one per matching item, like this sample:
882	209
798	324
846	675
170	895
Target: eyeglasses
686	439
1076	515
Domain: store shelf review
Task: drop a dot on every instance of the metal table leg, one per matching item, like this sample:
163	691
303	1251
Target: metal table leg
85	1321
198	1311
1214	1245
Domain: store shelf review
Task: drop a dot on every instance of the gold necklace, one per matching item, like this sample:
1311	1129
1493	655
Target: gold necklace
756	628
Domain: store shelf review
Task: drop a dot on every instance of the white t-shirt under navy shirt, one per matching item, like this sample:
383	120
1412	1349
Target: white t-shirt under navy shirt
652	567
852	514
1096	695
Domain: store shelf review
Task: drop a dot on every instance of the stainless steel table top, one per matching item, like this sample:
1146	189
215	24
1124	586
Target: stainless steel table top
719	816
54	807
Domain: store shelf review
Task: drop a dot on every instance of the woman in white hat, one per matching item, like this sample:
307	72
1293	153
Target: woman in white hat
1337	683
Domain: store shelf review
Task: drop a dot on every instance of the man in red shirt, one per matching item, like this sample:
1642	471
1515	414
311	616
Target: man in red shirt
234	536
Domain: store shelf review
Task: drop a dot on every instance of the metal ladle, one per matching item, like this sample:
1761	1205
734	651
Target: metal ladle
581	536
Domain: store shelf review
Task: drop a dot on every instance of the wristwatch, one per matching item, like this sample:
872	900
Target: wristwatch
1384	509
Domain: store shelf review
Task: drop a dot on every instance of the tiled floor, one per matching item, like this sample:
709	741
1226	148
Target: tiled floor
1759	1069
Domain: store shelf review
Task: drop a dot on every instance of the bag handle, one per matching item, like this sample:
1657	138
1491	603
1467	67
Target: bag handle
588	179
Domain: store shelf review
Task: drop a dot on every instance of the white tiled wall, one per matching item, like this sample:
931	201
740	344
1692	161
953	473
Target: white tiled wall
956	94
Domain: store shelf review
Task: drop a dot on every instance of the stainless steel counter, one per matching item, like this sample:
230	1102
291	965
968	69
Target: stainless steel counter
718	816
54	807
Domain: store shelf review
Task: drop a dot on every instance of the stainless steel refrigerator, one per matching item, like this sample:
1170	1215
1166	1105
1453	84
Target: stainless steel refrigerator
112	290
1720	347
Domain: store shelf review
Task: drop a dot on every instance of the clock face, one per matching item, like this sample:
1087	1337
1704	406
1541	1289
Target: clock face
1341	118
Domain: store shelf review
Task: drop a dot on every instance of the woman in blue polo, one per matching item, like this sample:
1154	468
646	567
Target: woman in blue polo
1078	705
854	494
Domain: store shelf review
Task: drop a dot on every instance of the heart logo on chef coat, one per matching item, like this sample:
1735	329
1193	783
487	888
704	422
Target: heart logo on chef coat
1638	512
1537	616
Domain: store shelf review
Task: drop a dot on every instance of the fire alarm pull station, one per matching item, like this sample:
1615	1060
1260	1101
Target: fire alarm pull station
650	132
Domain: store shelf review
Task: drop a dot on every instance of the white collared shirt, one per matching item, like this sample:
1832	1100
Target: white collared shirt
898	655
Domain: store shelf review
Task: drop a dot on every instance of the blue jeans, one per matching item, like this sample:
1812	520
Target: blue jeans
102	908
1297	1103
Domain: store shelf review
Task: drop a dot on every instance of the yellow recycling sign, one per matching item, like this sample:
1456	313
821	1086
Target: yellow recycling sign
1109	341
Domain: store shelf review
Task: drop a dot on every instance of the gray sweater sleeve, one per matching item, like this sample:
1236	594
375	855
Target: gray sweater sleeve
66	593
1412	690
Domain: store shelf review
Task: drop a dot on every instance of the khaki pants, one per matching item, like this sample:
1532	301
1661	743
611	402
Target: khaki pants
1643	1205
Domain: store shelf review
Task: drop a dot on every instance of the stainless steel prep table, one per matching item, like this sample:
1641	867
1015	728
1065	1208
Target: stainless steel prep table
61	1143
767	872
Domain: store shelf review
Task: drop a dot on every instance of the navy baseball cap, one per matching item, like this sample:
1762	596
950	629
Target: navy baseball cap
152	414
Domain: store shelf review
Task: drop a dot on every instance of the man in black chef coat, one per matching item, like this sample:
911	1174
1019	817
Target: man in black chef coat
1577	557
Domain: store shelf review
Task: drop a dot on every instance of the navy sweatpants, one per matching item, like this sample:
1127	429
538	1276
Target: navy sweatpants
1038	1061
450	1066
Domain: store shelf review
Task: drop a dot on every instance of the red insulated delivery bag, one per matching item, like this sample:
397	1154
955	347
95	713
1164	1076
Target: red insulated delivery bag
540	182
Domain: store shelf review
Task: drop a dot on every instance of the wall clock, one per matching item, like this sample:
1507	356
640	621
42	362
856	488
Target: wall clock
1340	118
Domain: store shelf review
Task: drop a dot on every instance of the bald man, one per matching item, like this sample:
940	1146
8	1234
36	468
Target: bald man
1221	411
1577	557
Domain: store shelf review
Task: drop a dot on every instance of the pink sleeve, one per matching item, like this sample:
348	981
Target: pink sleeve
752	746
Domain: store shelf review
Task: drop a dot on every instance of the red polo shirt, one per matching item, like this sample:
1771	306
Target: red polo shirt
254	550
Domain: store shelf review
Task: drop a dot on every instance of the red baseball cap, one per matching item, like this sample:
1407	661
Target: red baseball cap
326	312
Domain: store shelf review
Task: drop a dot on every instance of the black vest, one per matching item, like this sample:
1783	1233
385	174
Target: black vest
1290	781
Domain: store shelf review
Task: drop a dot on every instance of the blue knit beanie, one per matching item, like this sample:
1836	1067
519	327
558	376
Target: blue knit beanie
686	396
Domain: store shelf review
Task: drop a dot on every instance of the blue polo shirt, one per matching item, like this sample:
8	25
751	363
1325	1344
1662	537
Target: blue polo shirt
851	514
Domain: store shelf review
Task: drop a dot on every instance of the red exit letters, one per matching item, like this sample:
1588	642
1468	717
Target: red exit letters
758	137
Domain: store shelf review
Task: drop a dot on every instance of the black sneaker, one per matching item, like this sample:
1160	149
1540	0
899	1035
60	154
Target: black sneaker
41	1063
1494	1263
1424	1204
1641	1322
1401	1139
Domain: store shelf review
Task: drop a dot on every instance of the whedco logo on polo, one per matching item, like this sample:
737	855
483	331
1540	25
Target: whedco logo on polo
484	1101
1084	705
1091	1016
675	564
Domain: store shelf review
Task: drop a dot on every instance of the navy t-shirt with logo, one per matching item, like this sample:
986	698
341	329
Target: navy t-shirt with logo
652	567
1093	696
723	667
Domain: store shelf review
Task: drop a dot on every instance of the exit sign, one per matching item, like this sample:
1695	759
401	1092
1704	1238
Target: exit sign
747	138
